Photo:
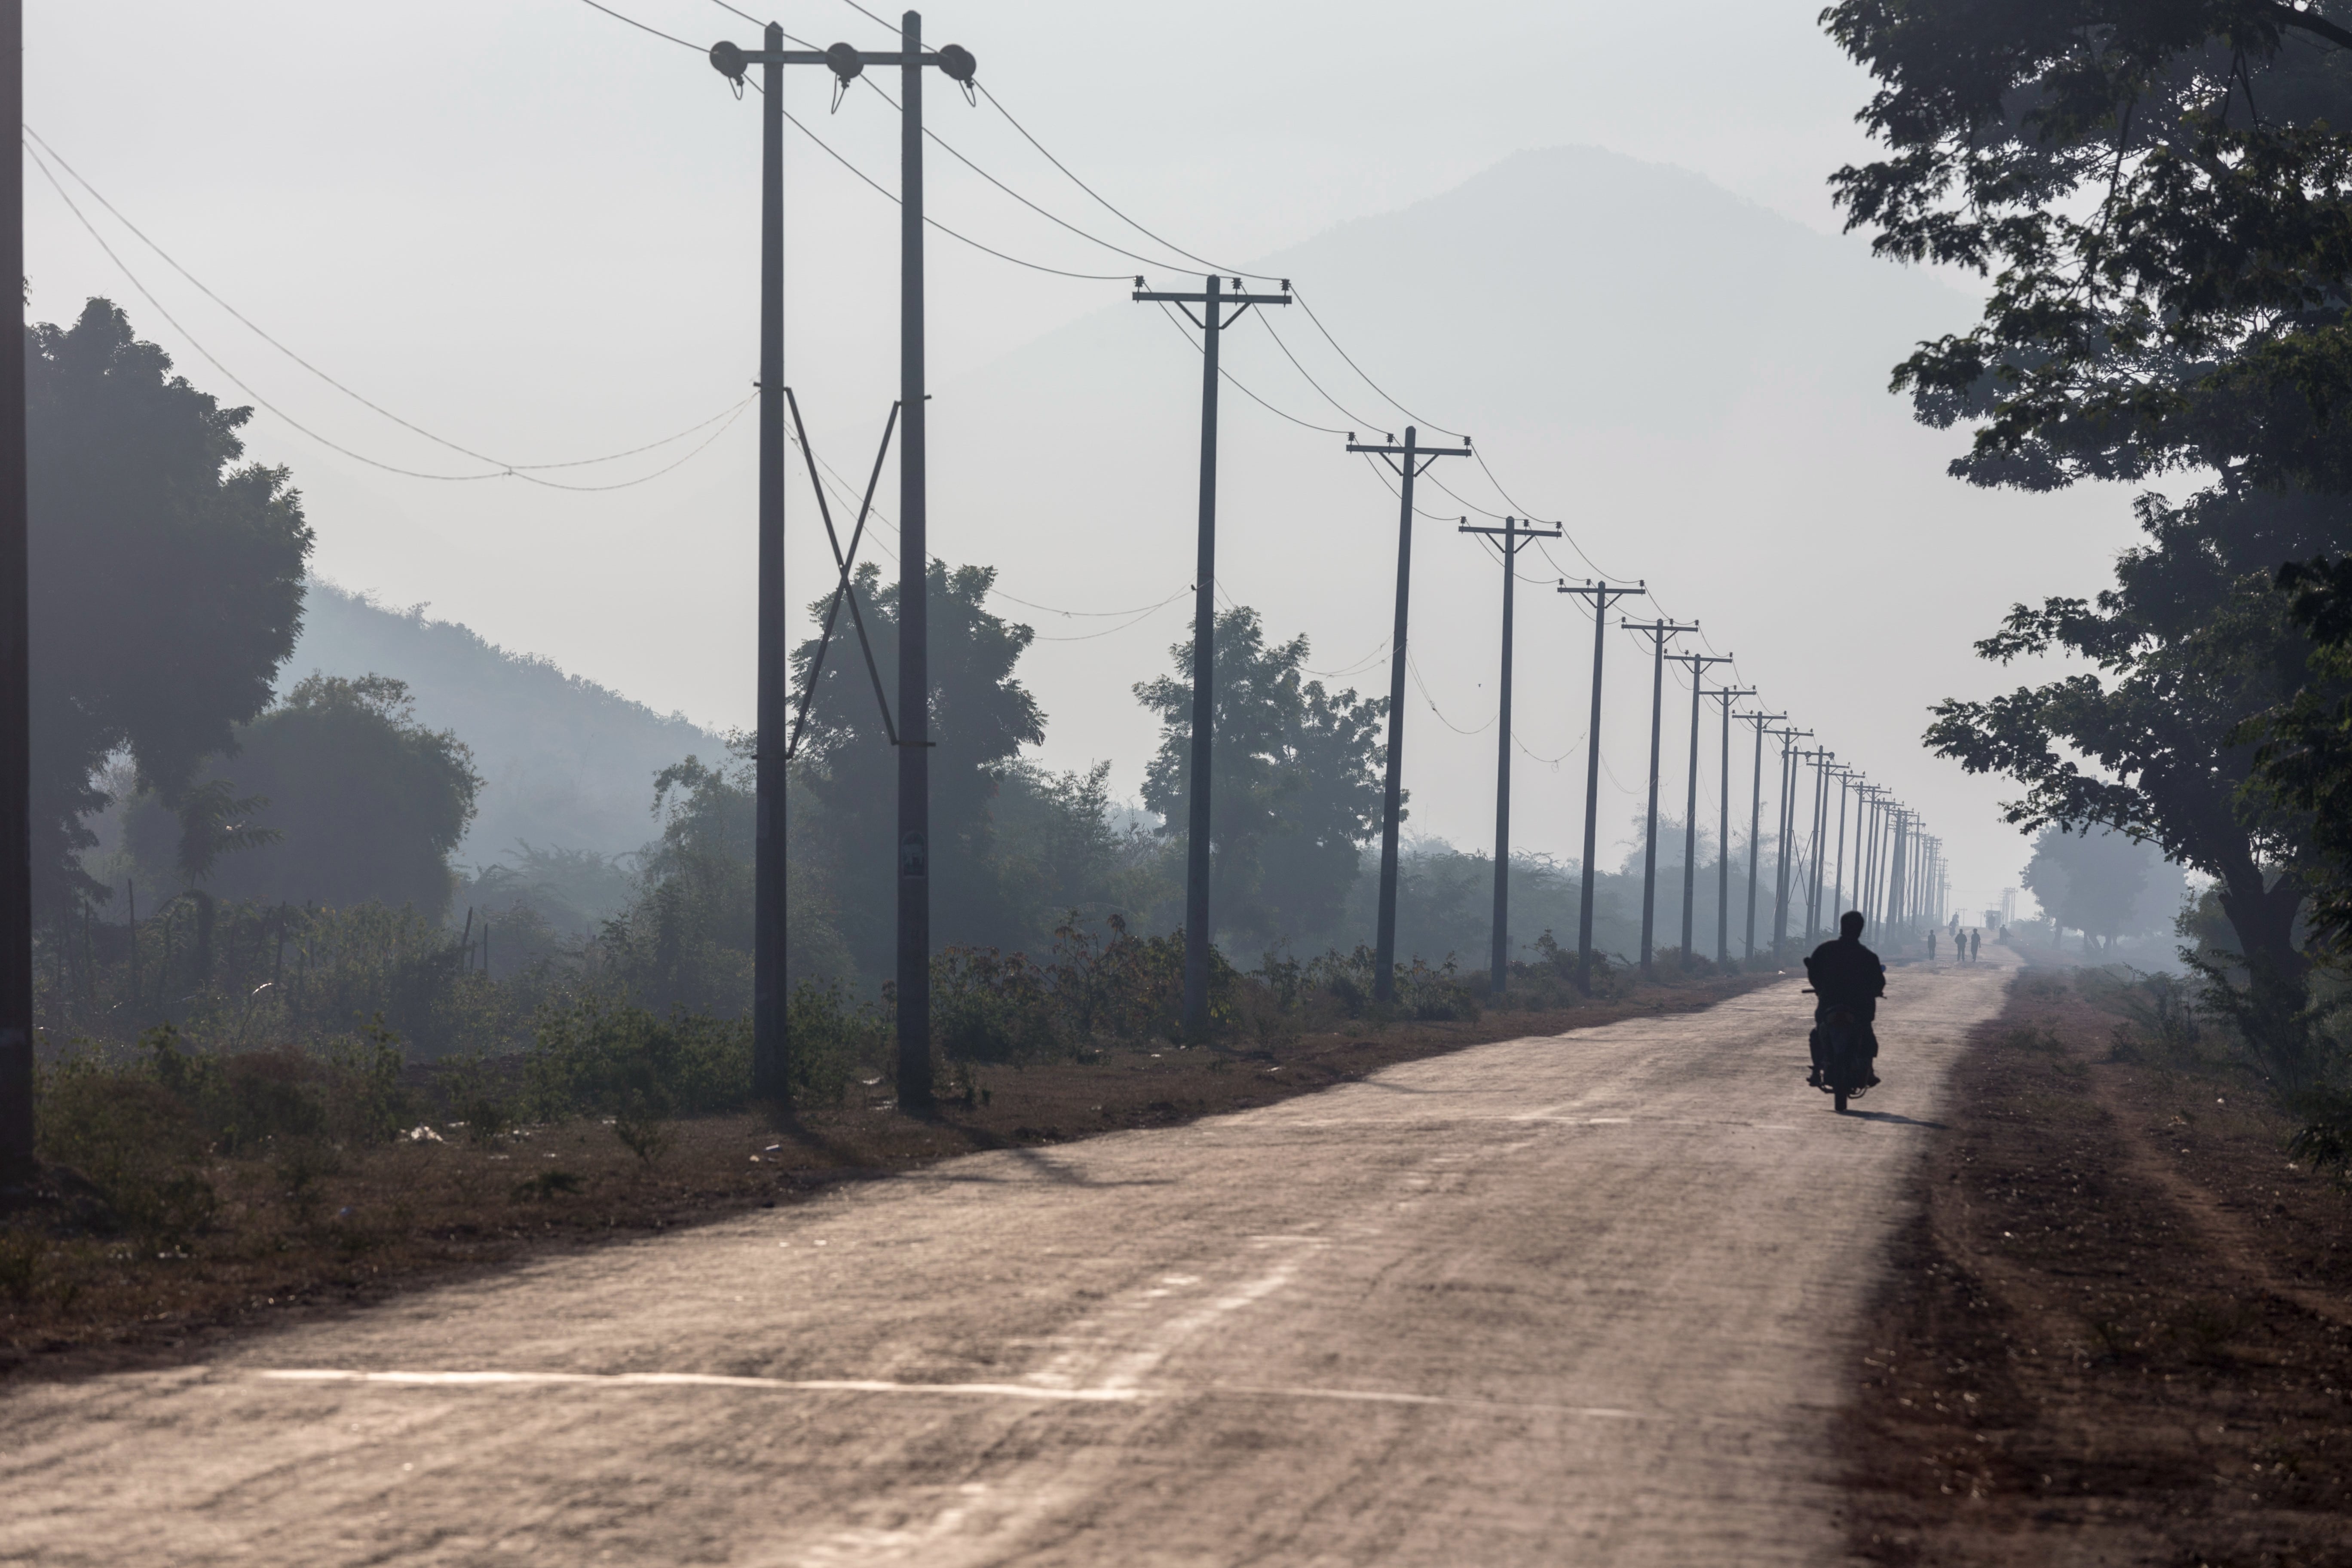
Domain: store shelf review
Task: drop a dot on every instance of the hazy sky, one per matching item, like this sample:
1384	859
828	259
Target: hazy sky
532	230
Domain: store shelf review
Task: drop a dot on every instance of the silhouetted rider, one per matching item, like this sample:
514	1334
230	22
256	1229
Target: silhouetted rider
1846	974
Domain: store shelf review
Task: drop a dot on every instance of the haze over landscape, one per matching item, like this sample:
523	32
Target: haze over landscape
551	1013
1655	336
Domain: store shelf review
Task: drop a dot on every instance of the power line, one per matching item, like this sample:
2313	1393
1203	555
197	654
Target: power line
1434	708
725	418
948	148
1238	386
641	27
1368	379
1141	617
1158	240
934	223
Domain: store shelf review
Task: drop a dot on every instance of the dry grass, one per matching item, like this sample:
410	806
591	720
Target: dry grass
313	1225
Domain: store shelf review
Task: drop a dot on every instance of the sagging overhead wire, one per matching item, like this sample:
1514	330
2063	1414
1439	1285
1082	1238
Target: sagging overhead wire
1239	387
1139	618
931	222
726	418
949	149
1157	239
641	27
249	324
1422	685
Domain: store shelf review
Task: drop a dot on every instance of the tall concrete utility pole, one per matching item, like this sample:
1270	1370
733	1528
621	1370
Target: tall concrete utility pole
1846	777
1866	853
1409	461
16	652
1726	696
1603	595
1788	771
1513	534
1212	320
771	1066
1894	871
1659	631
1756	824
1822	761
1698	663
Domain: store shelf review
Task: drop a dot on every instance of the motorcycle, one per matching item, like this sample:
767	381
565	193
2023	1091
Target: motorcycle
1844	1051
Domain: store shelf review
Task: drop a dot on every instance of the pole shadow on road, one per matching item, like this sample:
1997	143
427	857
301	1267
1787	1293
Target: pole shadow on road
1890	1117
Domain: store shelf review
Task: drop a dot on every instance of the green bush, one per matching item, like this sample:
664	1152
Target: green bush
832	1042
596	1056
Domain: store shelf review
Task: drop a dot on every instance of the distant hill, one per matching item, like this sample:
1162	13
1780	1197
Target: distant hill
565	764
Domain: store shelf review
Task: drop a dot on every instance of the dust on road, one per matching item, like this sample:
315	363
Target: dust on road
1576	1299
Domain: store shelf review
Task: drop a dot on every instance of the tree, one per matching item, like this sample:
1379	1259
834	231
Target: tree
2304	760
167	580
2103	884
2161	195
1295	787
2192	640
339	798
981	718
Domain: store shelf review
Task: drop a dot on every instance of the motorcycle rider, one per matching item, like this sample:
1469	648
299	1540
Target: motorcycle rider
1846	974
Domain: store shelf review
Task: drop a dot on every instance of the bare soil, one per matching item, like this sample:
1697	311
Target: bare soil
2119	1326
305	1232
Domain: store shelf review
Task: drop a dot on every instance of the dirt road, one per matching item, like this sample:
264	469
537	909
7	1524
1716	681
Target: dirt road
1576	1299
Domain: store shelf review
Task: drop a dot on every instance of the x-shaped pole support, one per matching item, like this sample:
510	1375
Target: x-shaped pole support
843	589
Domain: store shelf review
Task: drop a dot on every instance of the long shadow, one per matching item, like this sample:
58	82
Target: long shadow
1888	1116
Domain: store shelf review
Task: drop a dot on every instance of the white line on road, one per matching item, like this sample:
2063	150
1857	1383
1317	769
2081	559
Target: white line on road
1117	1395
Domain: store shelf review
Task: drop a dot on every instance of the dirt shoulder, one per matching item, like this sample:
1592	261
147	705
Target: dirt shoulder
311	1230
2118	1329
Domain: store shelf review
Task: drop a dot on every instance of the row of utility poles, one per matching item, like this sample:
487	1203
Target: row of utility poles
1898	872
1213	309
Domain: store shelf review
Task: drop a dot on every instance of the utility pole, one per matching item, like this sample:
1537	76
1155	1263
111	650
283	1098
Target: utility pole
769	1068
1821	770
1866	853
1846	777
1659	631
1820	757
1788	770
1212	320
1513	535
1726	696
15	653
1756	823
1894	871
1415	460
1698	663
1602	596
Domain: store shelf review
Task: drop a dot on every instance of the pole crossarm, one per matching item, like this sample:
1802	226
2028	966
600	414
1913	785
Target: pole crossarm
845	61
1513	531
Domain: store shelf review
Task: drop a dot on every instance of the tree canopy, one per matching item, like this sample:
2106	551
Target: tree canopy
343	797
2162	196
167	579
1296	780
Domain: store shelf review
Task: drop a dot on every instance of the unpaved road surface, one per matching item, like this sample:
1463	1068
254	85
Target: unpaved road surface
1583	1300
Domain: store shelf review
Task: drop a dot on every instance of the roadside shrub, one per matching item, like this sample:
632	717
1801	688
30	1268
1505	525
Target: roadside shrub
988	1006
831	1041
132	1139
596	1056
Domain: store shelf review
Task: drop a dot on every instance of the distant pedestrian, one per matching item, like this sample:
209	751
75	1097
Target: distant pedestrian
1976	944
1931	945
